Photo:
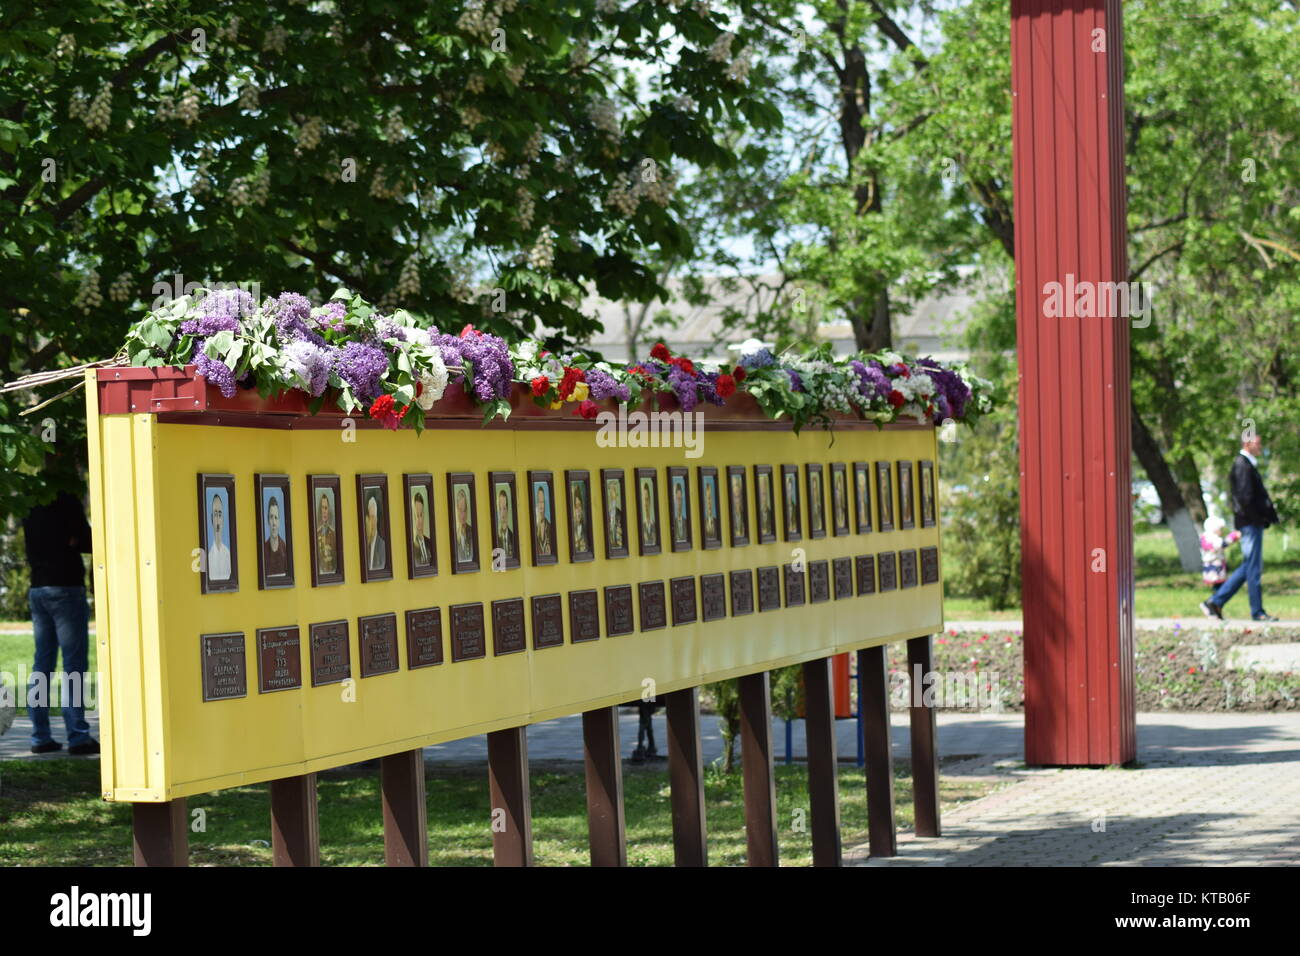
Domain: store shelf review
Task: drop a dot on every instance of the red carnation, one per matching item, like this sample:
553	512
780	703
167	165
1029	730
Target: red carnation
660	352
382	411
540	384
726	386
572	376
464	333
740	373
896	398
587	408
685	364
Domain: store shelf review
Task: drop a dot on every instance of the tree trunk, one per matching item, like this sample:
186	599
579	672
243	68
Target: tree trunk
1172	502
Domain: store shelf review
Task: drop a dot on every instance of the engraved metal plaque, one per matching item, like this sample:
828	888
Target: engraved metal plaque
888	562
930	565
423	637
225	673
742	592
866	573
508	627
683	596
794	585
377	638
769	589
584	616
548	621
279	659
654	614
331	661
713	596
468	641
618	610
819	581
842	569
907	568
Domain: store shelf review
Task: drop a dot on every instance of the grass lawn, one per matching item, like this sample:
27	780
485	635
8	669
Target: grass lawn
1163	589
51	815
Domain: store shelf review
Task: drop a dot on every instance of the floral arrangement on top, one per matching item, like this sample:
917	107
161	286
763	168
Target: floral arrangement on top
389	365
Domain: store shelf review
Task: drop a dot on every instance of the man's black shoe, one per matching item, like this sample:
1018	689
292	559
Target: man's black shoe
1210	609
81	750
47	748
1262	617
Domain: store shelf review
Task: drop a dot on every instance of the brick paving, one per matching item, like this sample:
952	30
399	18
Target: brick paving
1208	790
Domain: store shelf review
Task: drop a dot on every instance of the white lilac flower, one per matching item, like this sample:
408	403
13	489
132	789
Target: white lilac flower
433	381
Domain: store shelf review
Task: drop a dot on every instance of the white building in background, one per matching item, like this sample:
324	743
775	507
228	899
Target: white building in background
931	327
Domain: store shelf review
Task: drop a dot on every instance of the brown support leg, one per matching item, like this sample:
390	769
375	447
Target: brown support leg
686	777
823	763
159	833
406	838
605	826
512	809
295	833
756	764
881	834
925	743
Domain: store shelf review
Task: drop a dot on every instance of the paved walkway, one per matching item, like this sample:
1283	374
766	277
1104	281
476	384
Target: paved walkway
1192	619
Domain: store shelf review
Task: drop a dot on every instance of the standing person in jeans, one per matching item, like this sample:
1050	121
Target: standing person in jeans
57	535
1252	512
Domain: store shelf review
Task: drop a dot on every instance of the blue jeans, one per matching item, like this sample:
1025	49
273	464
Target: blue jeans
60	619
1249	571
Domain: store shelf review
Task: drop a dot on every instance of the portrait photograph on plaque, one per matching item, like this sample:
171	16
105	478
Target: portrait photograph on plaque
614	500
884	496
790	513
505	520
219	570
906	518
862	496
839	499
925	473
816	501
738	505
326	530
679	508
765	501
463	529
375	535
710	508
274	532
582	545
541	509
421	558
649	534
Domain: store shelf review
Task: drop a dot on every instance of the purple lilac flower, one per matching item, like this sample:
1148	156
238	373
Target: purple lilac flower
311	363
227	303
490	369
361	366
949	387
760	359
684	386
872	381
217	373
330	316
205	326
708	382
293	319
796	383
387	328
603	386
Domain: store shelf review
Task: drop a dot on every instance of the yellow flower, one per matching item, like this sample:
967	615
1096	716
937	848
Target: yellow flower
580	392
556	404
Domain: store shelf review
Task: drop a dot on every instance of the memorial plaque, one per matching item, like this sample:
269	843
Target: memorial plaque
742	592
618	610
866	574
654	613
843	573
423	637
713	596
794	586
548	621
888	562
819	581
331	660
907	568
508	627
225	674
377	639
584	616
683	594
769	589
279	659
930	565
468	641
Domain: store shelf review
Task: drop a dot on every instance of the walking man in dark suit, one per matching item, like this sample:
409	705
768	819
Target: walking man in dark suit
1253	512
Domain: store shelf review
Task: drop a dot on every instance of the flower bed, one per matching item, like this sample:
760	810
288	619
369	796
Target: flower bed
346	353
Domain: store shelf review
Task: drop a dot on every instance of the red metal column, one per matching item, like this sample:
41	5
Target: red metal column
1076	526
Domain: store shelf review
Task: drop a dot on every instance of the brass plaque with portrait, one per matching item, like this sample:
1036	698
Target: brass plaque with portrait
375	536
274	531
327	530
